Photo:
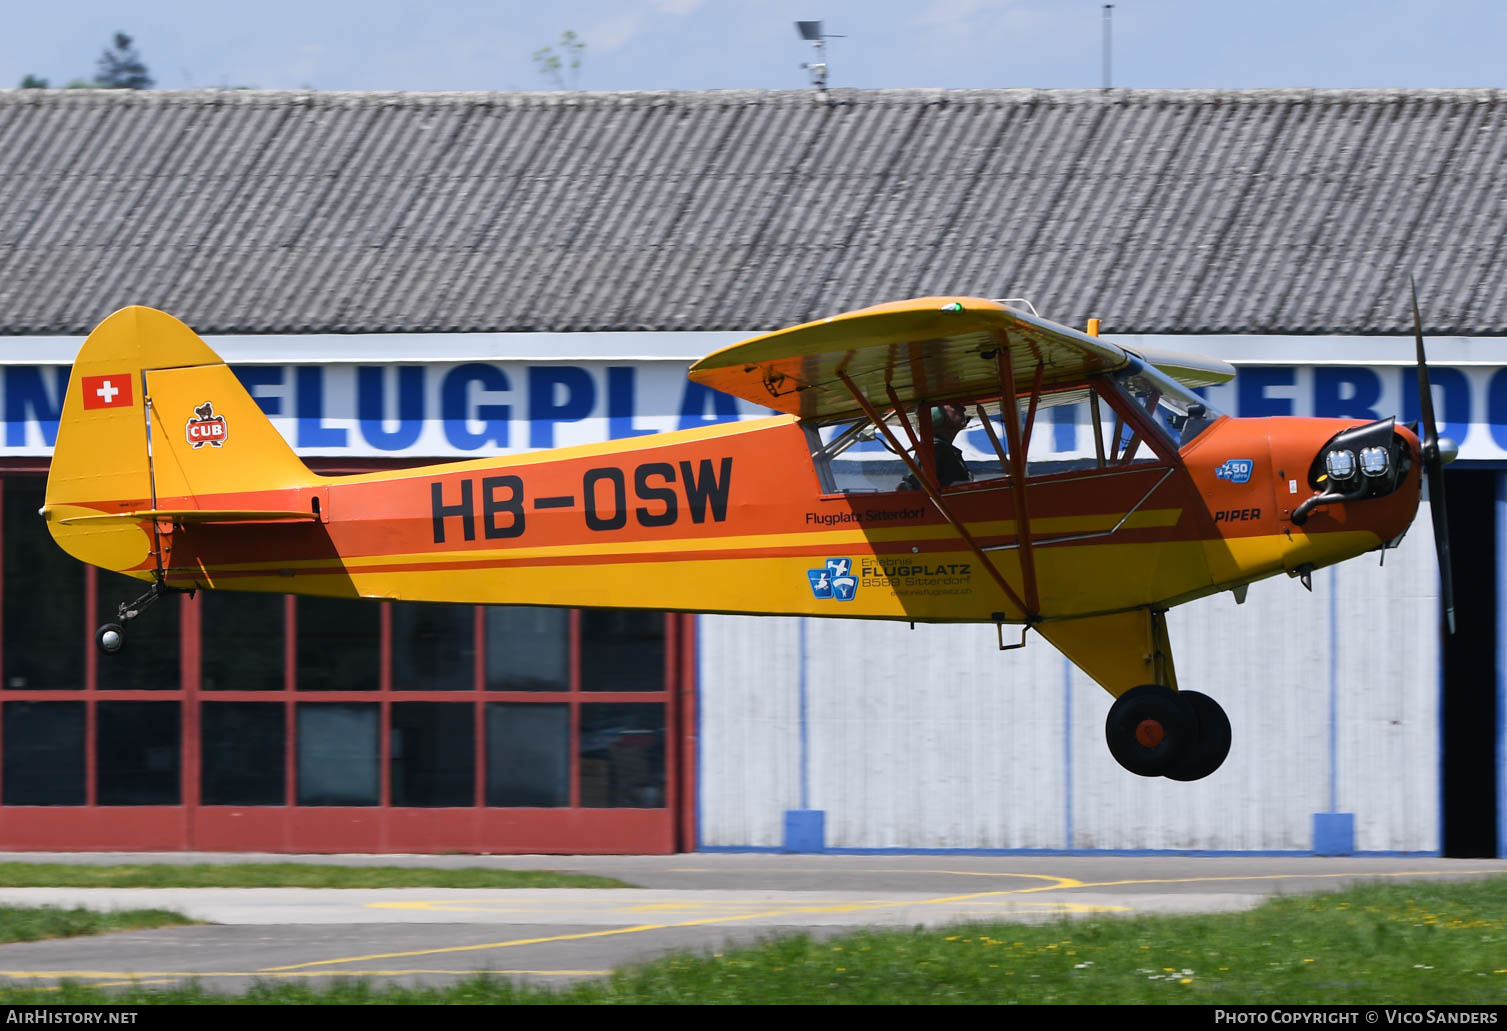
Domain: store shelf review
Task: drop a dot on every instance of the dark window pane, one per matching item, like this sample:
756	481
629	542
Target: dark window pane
433	754
44	753
138	753
528	649
243	750
338	644
528	754
623	755
149	660
622	650
242	637
433	647
337	754
44	597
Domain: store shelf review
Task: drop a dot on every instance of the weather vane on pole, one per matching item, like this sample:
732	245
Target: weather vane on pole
812	31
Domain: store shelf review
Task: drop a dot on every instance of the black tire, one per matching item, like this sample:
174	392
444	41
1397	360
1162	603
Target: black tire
110	638
1149	729
1211	739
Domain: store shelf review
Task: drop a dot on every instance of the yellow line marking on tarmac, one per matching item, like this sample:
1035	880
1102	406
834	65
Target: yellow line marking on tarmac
700	922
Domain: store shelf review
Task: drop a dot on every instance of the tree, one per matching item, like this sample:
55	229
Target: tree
557	67
33	82
120	67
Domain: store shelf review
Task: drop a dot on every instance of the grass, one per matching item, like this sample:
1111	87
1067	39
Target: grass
284	875
33	923
1419	943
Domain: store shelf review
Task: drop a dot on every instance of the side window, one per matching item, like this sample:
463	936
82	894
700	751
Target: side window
855	458
1080	427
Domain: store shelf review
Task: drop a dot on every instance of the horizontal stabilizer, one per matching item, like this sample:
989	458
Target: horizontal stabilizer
186	515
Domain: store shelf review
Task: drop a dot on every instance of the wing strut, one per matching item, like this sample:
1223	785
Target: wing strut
929	486
1018	467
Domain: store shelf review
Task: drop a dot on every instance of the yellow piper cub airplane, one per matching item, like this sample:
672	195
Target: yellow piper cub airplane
853	501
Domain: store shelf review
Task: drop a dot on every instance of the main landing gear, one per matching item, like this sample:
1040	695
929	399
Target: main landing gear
111	637
1155	731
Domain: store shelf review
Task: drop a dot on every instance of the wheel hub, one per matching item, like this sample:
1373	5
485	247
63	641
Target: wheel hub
1149	733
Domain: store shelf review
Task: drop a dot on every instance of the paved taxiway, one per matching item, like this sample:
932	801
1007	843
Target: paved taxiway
698	902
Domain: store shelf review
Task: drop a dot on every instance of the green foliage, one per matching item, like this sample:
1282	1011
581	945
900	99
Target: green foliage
28	923
33	82
561	68
283	875
120	67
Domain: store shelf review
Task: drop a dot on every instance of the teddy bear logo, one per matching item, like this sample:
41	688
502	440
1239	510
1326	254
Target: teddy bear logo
206	427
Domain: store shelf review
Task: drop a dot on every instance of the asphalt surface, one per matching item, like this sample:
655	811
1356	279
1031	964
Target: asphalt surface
698	903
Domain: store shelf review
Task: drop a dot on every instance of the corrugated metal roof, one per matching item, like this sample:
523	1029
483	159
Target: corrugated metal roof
1272	211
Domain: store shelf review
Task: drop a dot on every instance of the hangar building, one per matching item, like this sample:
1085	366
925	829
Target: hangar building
405	277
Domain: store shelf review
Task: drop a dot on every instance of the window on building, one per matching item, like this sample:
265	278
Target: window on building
433	754
623	650
43	597
433	647
138	753
243	753
623	755
44	753
242	640
338	753
528	649
339	644
528	754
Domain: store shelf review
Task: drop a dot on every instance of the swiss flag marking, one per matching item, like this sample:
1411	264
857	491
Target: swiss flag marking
107	391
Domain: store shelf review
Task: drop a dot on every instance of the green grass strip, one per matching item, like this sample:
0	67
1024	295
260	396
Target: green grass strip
284	875
1419	943
33	923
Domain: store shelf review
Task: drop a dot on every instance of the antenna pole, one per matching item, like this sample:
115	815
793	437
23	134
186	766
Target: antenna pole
1108	18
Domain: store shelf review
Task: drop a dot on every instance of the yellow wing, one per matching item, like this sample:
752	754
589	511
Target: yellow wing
930	348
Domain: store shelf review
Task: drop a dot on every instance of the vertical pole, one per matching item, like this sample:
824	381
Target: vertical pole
191	759
1500	605
479	709
1108	17
290	712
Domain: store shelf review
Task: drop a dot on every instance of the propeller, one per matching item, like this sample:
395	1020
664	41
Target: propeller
1434	458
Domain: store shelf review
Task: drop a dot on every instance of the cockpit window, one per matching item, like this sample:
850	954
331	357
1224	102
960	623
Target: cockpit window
1071	428
1178	411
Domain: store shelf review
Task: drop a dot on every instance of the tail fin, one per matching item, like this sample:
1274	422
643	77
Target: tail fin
156	426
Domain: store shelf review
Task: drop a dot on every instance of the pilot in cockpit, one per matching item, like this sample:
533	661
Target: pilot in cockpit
947	421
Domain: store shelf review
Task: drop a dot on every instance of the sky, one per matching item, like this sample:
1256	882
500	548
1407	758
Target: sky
741	44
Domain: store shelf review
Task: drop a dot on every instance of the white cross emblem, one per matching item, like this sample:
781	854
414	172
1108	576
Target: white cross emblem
108	390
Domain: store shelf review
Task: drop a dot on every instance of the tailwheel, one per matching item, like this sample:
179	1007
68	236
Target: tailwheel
1211	740
1149	729
111	638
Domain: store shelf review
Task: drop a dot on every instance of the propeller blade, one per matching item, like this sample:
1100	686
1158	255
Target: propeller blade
1430	436
1441	543
1428	448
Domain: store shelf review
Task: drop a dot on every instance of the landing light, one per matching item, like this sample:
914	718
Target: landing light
1373	461
1341	464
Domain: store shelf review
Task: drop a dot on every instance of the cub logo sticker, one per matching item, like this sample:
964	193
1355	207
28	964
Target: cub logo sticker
1236	470
206	427
836	581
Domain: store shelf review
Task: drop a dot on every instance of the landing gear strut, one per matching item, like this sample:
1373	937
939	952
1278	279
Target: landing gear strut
111	637
1154	731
